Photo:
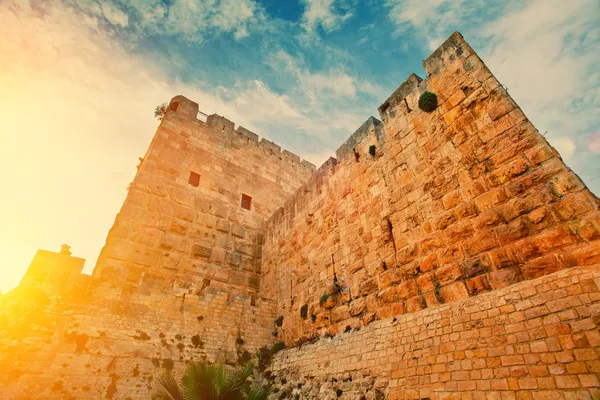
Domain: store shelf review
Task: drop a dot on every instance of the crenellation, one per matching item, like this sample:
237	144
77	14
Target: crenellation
253	137
396	101
370	126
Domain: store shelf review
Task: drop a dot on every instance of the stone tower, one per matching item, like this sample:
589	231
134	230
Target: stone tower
195	208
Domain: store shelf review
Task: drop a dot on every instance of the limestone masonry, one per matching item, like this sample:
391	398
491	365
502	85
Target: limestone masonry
441	255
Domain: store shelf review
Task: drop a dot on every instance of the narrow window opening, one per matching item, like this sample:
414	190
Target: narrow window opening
246	202
173	106
194	179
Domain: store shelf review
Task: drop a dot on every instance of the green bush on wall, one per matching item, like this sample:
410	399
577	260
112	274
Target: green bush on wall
428	102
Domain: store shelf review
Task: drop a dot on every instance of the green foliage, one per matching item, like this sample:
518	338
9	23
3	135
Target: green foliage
264	355
372	150
324	298
244	357
278	346
304	311
203	381
428	102
279	321
160	111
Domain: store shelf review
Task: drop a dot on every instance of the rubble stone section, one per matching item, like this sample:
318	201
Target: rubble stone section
422	209
536	339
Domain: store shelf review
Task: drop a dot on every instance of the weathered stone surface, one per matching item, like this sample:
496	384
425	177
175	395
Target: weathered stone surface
447	235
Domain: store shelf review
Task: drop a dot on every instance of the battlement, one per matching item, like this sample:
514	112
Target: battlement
187	109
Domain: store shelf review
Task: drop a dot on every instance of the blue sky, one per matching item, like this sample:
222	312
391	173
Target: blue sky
79	80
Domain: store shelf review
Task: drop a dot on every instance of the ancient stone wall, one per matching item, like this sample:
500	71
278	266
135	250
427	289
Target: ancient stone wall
391	249
92	341
537	339
176	281
183	220
422	208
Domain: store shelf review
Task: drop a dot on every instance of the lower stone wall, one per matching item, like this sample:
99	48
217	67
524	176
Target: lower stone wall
537	339
102	342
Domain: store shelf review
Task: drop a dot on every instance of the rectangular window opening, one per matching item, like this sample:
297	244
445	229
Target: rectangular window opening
246	201
194	179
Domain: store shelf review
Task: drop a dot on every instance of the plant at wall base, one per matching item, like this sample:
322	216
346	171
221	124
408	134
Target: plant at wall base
428	102
203	381
324	298
278	346
160	111
304	311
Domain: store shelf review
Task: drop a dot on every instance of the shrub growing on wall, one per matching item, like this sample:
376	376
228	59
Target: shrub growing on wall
428	102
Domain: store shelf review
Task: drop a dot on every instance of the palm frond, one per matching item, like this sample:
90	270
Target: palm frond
168	389
259	392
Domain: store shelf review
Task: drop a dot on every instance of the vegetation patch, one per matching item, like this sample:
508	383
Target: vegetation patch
278	346
324	298
428	102
202	378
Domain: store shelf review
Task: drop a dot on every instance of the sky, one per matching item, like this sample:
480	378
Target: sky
79	81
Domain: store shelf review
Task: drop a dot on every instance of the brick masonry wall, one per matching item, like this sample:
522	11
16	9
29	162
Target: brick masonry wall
534	340
451	204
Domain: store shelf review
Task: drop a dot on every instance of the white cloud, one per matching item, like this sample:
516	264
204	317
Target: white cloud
564	145
114	15
332	83
197	20
326	14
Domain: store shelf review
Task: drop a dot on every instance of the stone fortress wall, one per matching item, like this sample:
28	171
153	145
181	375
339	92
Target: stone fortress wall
177	280
427	209
449	254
